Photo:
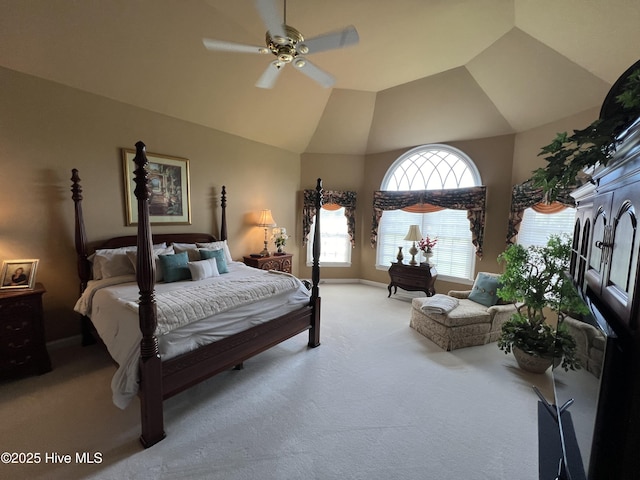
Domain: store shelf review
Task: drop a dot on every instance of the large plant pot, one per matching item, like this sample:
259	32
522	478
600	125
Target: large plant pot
531	363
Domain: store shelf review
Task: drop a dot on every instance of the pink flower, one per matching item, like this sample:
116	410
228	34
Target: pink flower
427	243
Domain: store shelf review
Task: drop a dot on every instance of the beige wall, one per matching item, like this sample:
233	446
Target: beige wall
529	143
47	129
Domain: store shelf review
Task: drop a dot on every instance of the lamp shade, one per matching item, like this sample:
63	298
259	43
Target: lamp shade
414	234
266	219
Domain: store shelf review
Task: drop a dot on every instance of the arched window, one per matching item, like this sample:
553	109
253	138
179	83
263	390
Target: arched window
430	167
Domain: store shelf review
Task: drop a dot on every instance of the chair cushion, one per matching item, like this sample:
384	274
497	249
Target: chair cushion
485	289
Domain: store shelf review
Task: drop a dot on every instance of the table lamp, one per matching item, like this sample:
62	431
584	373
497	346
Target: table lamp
266	221
413	235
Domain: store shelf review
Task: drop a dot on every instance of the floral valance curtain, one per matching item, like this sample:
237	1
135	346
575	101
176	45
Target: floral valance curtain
472	199
341	198
524	196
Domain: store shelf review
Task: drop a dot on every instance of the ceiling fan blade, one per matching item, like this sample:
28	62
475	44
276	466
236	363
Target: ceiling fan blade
271	17
313	72
329	41
270	75
222	46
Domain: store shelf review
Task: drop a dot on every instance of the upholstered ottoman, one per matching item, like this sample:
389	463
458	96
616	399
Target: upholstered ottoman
468	324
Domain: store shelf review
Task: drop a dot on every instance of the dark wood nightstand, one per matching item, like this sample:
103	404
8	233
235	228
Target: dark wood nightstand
421	278
282	263
22	343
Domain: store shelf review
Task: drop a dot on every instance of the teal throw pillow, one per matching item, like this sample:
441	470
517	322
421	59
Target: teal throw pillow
219	255
175	267
485	289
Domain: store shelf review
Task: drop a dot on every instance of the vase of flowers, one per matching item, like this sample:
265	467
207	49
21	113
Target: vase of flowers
279	237
426	245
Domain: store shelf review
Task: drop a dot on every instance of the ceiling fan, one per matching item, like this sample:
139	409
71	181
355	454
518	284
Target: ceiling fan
288	45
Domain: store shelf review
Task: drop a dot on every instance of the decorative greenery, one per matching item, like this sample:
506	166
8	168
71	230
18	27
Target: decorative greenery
568	155
534	278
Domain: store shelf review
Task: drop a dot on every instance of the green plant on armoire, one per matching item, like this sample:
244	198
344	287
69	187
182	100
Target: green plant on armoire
569	156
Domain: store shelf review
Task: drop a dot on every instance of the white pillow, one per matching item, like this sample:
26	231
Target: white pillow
202	269
133	258
110	262
190	248
217	246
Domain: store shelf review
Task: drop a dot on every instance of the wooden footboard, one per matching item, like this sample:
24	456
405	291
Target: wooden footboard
161	380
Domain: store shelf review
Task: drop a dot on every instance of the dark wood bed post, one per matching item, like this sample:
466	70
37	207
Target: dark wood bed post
150	365
223	221
314	332
84	266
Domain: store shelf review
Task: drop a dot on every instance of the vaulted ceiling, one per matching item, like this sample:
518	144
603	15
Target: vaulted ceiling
424	70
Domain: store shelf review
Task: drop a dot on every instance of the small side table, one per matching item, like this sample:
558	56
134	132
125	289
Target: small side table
420	278
23	349
281	263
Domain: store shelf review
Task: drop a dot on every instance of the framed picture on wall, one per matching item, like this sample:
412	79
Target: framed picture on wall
169	189
18	274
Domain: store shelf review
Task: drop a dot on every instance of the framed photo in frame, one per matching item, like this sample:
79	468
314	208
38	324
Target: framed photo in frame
169	189
18	274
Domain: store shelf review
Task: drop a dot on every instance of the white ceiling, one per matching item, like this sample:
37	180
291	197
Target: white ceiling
424	70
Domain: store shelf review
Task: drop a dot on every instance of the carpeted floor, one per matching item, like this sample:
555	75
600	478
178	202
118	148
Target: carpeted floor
375	401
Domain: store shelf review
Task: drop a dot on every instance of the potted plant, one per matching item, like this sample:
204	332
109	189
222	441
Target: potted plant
535	280
569	156
426	245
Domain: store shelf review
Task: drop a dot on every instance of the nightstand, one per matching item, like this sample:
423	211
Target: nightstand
22	343
282	263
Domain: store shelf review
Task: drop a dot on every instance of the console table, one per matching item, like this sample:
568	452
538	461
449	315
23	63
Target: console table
421	278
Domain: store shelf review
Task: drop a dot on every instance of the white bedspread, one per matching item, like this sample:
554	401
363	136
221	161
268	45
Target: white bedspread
195	302
109	305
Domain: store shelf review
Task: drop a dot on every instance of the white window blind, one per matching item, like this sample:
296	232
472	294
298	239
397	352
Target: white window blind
536	227
454	253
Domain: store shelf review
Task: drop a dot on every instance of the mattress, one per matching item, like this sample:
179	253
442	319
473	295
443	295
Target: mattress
108	302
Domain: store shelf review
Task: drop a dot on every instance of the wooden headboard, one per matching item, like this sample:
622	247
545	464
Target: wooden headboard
167	238
82	247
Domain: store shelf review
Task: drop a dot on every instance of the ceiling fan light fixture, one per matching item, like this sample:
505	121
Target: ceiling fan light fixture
292	38
288	46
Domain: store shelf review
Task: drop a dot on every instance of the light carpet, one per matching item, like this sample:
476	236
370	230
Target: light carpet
375	401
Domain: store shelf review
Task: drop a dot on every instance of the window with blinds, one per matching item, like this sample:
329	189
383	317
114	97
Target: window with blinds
430	167
335	244
536	227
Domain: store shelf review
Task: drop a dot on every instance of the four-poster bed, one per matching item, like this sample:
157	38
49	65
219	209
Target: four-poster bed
158	377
